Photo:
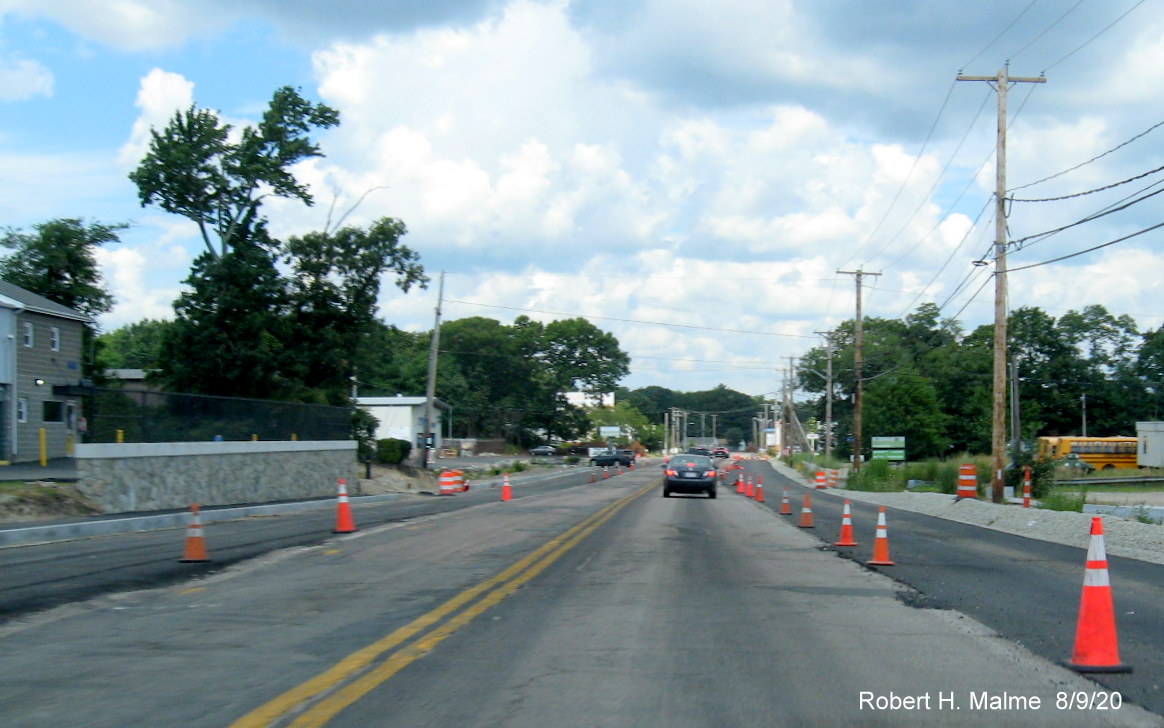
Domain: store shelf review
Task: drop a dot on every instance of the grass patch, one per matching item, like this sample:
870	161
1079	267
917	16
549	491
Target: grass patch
1063	500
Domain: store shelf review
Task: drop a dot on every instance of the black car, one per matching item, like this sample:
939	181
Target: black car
698	451
721	452
689	474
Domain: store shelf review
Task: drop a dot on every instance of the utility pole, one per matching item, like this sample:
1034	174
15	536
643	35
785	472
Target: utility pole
858	361
666	433
1001	83
828	394
429	435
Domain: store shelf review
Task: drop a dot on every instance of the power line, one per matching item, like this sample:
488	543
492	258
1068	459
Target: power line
1111	186
1093	159
1092	249
1046	30
1089	40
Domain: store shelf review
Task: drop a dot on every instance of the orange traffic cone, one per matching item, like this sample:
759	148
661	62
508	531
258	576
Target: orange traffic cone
343	520
846	526
750	488
785	506
605	472
1096	646
760	491
195	544
593	477
506	491
806	520
881	543
820	480
740	484
1026	486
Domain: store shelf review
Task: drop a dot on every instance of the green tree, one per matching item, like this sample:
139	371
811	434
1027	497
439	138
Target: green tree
333	289
230	334
194	169
58	261
134	346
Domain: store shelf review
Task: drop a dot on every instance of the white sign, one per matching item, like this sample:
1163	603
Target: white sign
610	431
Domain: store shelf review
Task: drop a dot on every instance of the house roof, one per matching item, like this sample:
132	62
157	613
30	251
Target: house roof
38	304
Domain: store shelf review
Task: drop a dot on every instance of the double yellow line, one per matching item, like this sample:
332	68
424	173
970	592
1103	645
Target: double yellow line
356	675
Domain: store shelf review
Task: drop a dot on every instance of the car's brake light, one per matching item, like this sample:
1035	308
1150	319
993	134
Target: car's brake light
709	474
671	472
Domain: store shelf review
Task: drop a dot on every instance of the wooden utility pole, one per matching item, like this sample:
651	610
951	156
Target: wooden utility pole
429	435
1001	83
828	443
858	382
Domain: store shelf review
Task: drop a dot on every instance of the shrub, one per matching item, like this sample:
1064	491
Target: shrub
391	451
1057	500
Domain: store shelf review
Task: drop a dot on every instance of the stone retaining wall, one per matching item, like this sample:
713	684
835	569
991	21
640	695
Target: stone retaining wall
120	478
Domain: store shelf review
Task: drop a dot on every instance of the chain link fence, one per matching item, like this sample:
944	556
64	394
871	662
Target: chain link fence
167	417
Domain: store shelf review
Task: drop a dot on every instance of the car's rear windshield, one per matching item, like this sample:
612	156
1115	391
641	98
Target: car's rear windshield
698	461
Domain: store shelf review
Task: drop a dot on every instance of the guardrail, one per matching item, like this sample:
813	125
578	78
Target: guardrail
1113	481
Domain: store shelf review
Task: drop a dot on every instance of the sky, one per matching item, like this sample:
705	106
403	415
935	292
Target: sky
689	175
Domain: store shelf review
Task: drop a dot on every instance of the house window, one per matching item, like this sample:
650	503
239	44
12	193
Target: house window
22	410
27	339
55	338
54	411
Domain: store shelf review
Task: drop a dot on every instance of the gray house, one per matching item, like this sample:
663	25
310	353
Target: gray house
40	355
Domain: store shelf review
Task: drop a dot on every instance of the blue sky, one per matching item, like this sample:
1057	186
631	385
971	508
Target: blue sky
644	162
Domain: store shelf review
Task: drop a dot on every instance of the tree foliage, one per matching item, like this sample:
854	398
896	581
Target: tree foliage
58	261
928	381
195	168
245	327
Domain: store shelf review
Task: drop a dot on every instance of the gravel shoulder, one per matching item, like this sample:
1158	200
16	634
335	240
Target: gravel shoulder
1122	537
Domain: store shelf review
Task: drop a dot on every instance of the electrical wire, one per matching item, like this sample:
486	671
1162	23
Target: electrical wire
1093	159
1088	250
998	37
1090	218
1089	40
1089	192
1046	30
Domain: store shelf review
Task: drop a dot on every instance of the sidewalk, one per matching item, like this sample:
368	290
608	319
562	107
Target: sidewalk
59	469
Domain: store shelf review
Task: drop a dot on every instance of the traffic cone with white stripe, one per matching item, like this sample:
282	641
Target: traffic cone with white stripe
1096	646
846	526
740	484
344	523
506	491
806	519
750	488
195	552
1026	486
785	506
759	488
881	543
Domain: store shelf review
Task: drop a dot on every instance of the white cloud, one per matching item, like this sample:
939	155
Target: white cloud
130	25
22	78
161	94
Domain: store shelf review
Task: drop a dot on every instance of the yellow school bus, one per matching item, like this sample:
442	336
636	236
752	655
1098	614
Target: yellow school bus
1102	453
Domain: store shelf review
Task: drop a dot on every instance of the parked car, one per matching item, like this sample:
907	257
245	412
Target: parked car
543	450
627	457
688	473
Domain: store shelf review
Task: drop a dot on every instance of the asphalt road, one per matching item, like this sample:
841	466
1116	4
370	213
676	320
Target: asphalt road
1028	590
596	605
42	576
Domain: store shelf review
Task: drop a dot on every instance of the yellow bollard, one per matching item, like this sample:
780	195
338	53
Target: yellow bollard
121	436
254	438
43	448
294	437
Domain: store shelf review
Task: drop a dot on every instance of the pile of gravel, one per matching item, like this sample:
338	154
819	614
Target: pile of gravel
1122	537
